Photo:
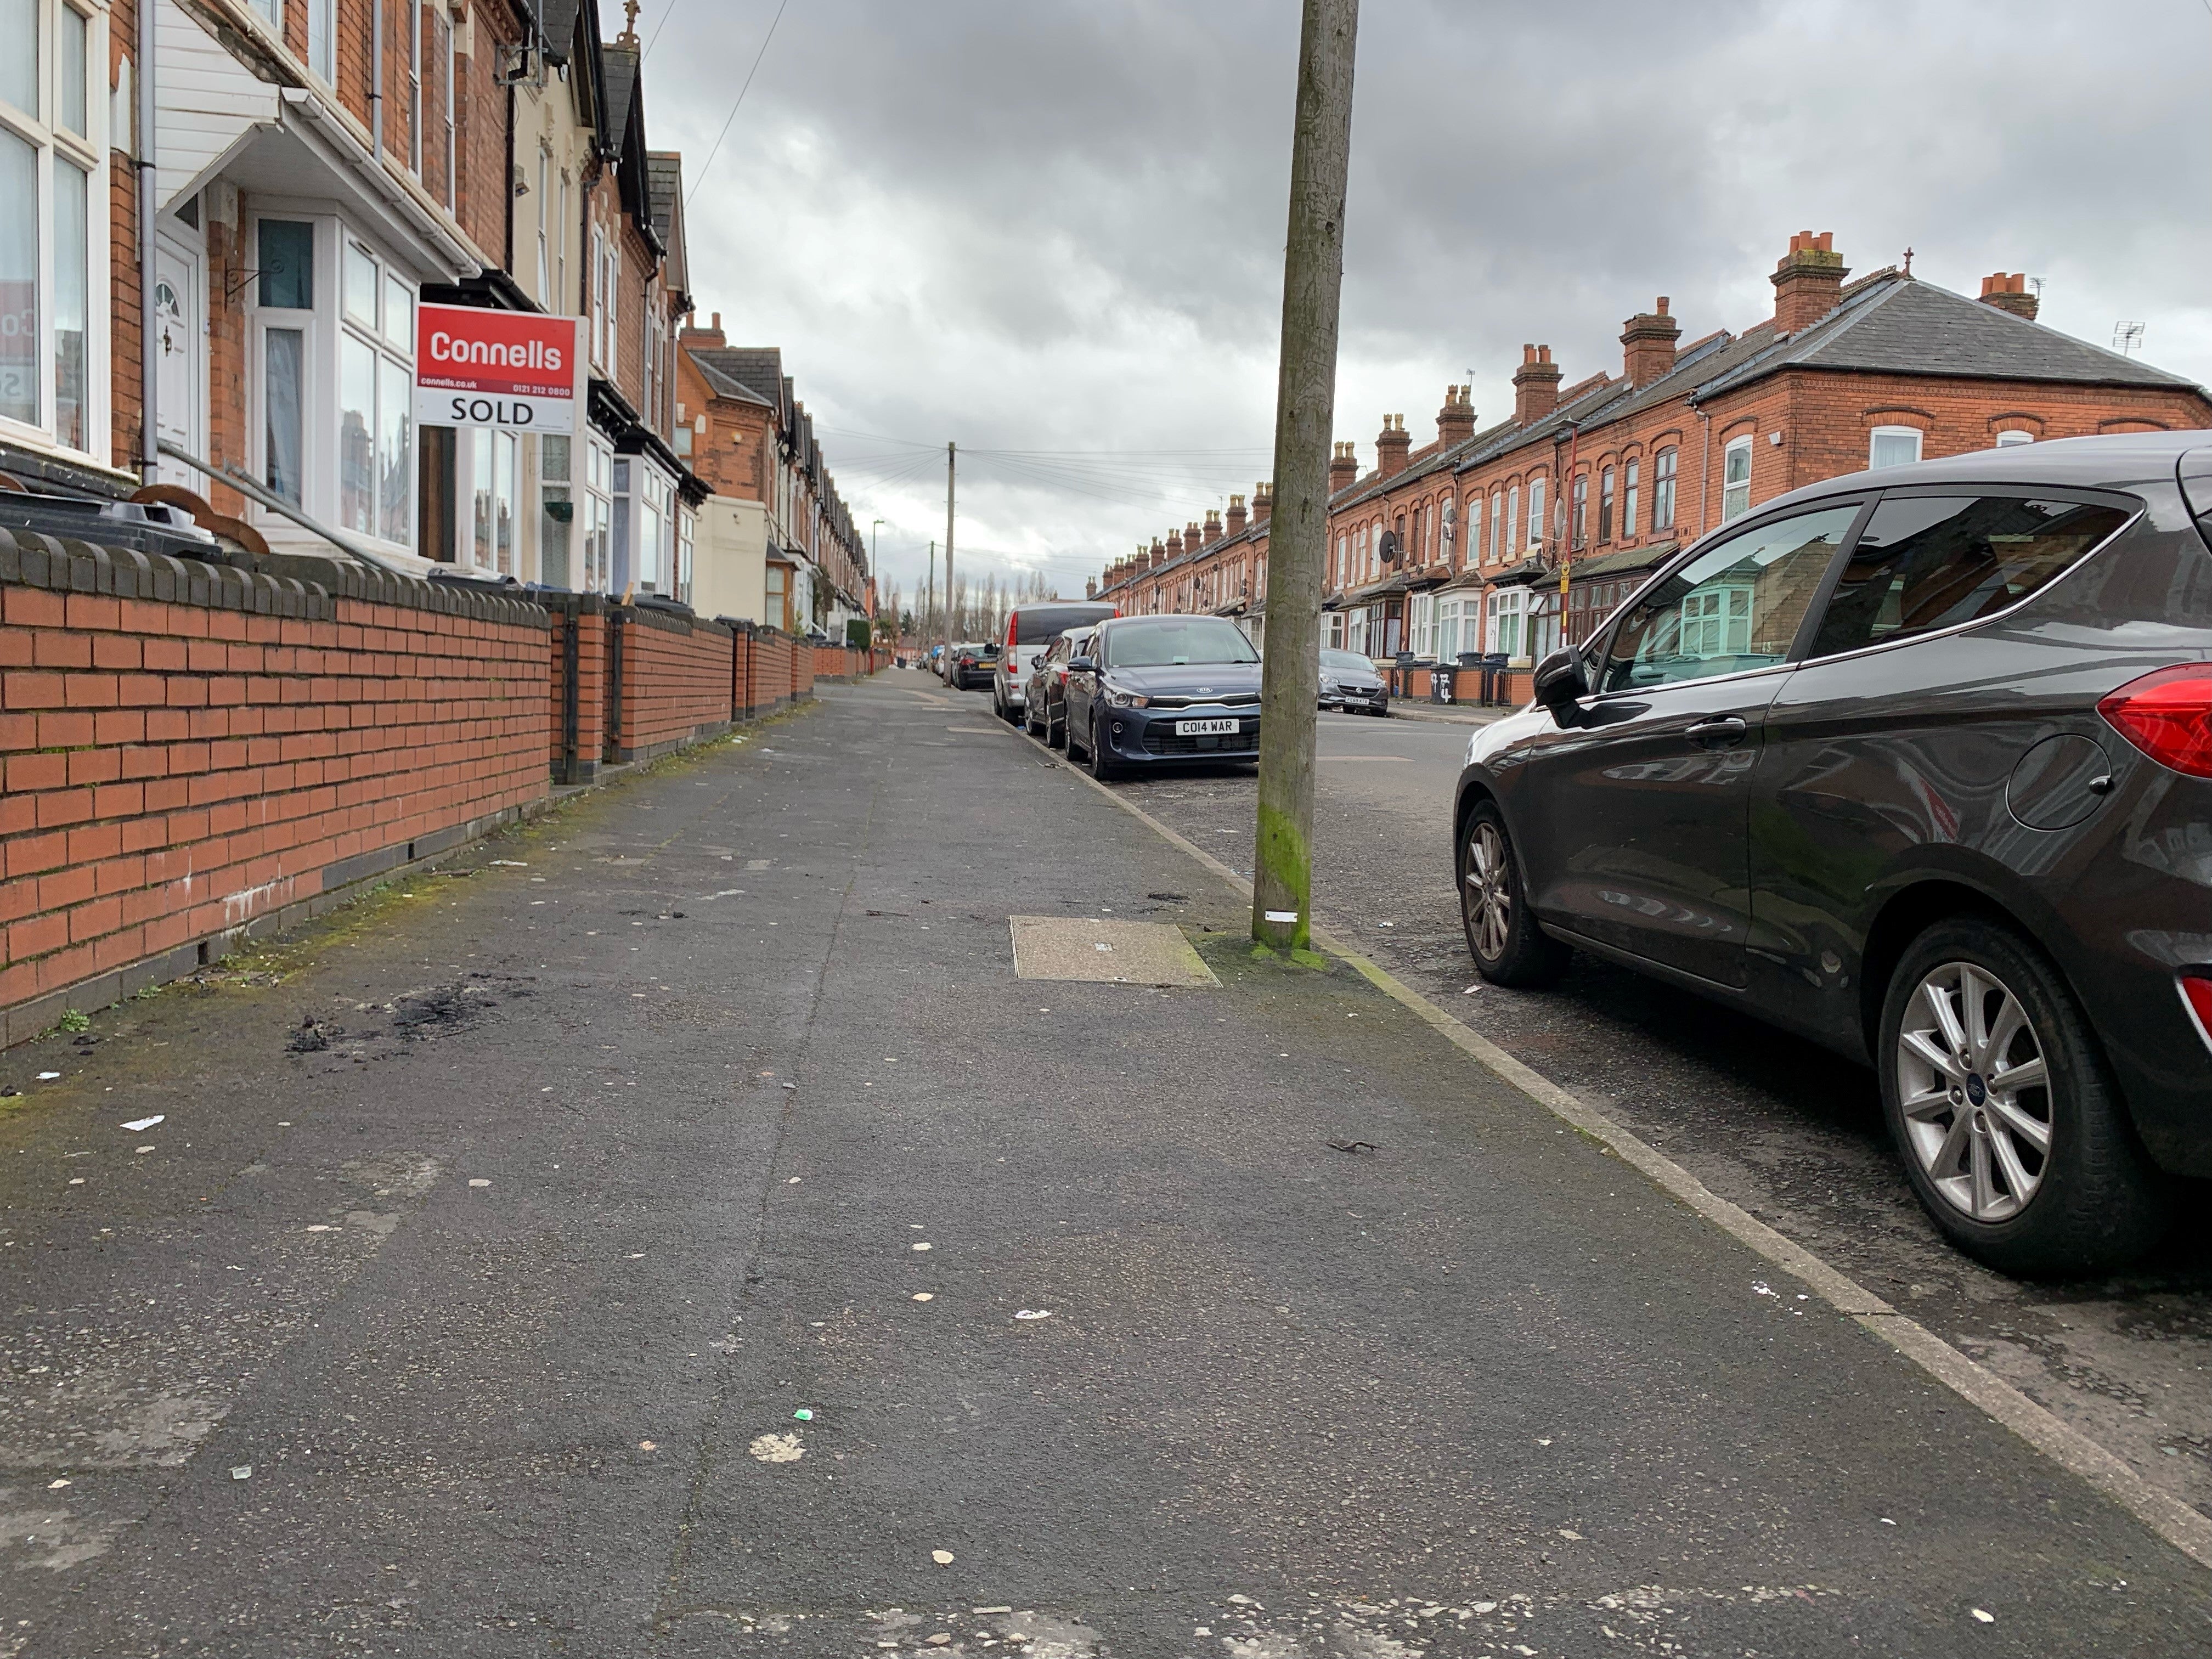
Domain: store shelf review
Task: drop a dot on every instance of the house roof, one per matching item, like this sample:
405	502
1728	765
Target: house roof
1905	326
557	24
722	384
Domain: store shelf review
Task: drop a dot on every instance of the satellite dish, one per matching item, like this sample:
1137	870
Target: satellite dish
1388	547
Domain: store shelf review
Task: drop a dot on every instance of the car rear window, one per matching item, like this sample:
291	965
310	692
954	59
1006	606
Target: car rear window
1925	563
1170	640
1034	624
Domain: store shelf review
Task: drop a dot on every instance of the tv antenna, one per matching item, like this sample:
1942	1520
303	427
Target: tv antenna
2126	336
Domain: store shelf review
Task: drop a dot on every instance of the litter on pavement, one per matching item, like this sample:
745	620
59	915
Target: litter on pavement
942	1558
241	1472
139	1125
1033	1313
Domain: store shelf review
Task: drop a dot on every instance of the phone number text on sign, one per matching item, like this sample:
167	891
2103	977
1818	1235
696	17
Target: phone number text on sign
514	370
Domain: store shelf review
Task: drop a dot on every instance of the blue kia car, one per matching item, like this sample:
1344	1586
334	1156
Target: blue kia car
1162	691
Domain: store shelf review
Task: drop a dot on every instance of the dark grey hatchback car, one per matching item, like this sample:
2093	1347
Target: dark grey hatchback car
1917	764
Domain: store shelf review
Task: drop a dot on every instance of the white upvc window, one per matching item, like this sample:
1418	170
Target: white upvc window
1892	446
322	41
1735	478
597	515
1537	515
1512	522
1506	605
2007	440
1632	473
53	225
1356	633
1497	523
1332	634
599	295
1447	617
1422	614
546	296
332	384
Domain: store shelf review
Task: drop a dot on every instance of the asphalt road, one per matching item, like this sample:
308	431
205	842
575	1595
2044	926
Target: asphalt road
1775	1124
678	1230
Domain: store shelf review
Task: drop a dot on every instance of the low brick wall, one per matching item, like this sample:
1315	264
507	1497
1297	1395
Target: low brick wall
843	662
676	682
195	753
577	731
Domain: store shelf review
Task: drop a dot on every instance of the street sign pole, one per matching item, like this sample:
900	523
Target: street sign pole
1305	413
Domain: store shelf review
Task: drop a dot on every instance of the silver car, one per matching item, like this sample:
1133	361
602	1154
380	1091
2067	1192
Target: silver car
1031	630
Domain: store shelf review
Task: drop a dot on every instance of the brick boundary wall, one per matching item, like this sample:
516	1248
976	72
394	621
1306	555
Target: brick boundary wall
675	682
844	663
577	661
195	754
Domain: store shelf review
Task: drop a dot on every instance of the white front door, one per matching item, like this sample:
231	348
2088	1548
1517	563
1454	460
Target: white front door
180	337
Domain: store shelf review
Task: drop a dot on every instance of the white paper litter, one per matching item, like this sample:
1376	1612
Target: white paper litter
140	1125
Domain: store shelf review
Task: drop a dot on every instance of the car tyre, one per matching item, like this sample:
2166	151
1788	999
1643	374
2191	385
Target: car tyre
1101	768
1029	719
1970	1004
1056	730
1508	946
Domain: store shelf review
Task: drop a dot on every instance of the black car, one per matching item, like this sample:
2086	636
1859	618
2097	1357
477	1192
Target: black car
1349	682
971	665
1155	691
1918	763
1044	699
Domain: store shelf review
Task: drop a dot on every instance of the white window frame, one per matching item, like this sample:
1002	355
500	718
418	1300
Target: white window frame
1908	435
1512	521
1421	624
1632	475
322	41
1735	492
2013	437
328	329
1505	610
53	147
1448	531
1536	492
1496	524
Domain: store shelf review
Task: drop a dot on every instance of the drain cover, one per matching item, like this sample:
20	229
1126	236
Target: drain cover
1106	951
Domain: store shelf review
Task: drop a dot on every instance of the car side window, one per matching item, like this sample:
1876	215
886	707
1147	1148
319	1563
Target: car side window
1736	606
1925	563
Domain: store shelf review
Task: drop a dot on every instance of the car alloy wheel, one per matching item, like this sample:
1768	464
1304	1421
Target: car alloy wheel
2011	1126
1490	892
1508	946
1974	1091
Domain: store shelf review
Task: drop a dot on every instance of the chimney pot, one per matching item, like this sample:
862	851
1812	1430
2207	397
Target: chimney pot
2010	293
1456	420
1392	447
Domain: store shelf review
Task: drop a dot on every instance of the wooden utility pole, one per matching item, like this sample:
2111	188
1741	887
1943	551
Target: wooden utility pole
1298	529
929	605
951	455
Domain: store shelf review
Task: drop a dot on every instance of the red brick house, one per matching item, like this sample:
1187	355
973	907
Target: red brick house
1458	546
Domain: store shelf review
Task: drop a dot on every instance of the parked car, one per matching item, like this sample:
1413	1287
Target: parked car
968	665
1350	681
1152	691
1044	702
1031	630
1917	764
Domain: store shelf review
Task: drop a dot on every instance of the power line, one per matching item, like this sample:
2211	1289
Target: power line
742	91
656	28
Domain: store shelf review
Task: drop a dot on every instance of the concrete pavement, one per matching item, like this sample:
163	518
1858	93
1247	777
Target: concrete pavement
501	1232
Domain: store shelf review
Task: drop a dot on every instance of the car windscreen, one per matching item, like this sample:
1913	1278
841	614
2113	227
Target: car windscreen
1168	641
1346	662
1039	624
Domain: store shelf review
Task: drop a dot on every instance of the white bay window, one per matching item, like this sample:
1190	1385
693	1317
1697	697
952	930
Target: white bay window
53	215
334	334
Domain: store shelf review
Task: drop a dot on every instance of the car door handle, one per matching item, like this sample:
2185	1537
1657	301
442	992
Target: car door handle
1724	733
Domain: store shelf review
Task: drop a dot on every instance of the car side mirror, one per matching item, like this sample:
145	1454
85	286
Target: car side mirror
1560	681
1082	665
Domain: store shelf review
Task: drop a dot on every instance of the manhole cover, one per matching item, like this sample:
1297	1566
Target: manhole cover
1107	951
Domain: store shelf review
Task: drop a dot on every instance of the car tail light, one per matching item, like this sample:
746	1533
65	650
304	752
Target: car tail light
2197	992
2167	715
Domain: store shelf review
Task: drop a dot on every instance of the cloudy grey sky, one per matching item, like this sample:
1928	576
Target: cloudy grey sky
1052	231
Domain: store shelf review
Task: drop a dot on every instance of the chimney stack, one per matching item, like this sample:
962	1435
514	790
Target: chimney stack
711	335
1343	469
1090	588
1191	539
2010	294
1391	447
1647	345
1808	282
1456	420
1213	527
1158	556
1236	515
1263	501
1536	384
